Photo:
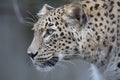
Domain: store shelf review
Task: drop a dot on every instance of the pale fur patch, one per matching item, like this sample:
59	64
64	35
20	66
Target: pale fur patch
46	69
96	75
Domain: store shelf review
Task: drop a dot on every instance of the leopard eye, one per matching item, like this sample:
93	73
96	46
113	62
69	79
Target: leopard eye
50	31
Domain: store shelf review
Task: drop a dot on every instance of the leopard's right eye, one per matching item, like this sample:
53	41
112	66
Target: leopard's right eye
50	31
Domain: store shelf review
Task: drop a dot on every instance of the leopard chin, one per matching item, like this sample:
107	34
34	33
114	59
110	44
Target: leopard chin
44	69
47	65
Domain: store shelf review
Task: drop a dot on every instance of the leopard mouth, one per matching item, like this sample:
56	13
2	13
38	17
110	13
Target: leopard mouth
47	65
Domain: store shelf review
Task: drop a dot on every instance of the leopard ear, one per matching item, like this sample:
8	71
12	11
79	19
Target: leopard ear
74	13
45	9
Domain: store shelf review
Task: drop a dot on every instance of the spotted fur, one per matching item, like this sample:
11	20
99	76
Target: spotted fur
88	30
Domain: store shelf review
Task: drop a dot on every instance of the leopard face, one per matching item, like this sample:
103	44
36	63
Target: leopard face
52	38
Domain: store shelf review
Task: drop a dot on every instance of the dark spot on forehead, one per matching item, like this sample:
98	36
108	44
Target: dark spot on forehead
96	6
67	47
118	10
59	29
90	23
111	2
96	25
108	29
113	38
46	23
119	55
50	44
96	19
104	43
111	16
111	9
105	6
93	29
87	1
98	14
76	49
84	5
100	24
106	14
64	37
95	0
118	3
49	19
92	49
118	65
112	30
98	38
56	23
63	44
102	18
61	34
91	15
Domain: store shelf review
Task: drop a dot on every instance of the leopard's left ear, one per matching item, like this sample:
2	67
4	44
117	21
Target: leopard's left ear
74	13
45	9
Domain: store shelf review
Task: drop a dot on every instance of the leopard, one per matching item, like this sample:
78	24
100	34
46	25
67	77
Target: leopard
88	30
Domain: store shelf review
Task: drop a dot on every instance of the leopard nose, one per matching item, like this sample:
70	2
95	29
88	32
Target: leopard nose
32	55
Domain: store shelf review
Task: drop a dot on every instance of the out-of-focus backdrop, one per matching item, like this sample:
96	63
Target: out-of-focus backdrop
15	37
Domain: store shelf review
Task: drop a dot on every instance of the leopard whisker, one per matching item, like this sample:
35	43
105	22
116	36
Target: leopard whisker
31	19
66	61
32	16
31	23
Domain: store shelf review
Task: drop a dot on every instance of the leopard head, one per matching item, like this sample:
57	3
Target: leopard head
54	35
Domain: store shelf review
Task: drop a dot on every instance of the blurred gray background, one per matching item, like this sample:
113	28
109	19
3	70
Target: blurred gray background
15	38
